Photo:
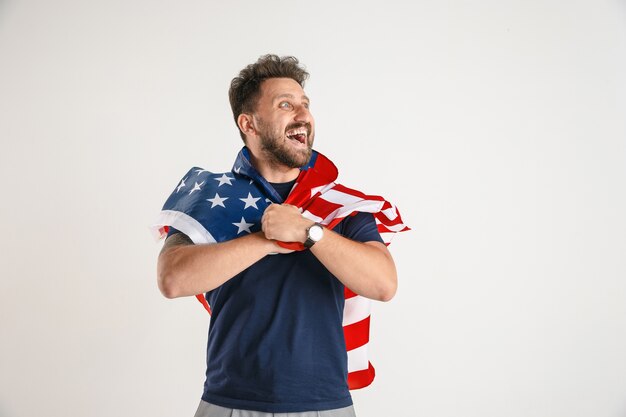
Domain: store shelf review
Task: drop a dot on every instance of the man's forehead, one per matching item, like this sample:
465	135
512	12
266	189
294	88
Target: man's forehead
276	88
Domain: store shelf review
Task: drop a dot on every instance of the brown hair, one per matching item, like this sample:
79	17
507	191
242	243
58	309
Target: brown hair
245	89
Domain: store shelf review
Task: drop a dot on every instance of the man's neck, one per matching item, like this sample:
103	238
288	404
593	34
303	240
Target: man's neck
274	172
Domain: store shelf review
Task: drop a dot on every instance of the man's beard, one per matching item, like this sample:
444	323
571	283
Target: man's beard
274	146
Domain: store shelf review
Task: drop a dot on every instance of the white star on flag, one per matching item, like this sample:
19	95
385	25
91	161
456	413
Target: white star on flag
217	200
200	171
181	185
224	179
196	187
242	225
250	201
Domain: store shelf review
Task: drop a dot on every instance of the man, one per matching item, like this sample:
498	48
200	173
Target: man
276	342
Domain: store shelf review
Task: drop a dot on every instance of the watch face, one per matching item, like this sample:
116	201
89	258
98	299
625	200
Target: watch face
316	232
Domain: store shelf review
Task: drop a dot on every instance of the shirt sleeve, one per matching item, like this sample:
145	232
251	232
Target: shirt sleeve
361	227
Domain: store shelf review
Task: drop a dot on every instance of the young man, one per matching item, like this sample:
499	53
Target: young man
276	342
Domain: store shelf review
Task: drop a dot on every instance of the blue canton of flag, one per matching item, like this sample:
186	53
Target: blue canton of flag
210	207
230	203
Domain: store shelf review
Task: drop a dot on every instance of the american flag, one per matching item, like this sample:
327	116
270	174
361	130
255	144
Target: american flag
212	208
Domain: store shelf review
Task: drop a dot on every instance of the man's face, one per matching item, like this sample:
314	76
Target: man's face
283	123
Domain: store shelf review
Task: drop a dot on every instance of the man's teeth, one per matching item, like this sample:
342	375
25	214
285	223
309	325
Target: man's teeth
301	131
299	135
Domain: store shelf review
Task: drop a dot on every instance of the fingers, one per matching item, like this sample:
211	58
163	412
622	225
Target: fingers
283	222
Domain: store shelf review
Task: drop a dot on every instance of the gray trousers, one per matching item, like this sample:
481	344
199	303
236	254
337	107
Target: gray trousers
206	409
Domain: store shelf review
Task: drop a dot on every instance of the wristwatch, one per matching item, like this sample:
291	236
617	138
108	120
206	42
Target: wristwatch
313	235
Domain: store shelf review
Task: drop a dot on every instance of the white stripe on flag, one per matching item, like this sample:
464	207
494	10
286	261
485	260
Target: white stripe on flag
340	198
356	309
368	206
186	224
322	189
357	359
391	213
310	216
364	206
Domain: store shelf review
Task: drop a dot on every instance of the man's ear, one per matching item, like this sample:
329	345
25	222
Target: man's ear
244	121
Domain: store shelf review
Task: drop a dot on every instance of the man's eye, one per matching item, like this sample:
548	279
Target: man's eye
284	105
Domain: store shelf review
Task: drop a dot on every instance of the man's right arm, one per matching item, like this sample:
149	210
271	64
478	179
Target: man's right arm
186	269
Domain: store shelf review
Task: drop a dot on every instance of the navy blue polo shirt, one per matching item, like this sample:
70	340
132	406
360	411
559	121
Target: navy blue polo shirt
276	340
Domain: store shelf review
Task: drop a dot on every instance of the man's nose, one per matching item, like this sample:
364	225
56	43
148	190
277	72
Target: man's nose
303	114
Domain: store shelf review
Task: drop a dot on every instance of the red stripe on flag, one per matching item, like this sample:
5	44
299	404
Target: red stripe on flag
203	301
359	194
361	379
348	293
320	207
382	228
357	334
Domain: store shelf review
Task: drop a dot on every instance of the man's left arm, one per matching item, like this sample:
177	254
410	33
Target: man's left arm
366	268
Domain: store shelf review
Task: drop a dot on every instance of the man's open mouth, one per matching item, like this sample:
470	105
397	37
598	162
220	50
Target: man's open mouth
299	134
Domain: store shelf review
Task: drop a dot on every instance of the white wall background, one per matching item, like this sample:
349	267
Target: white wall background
498	128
